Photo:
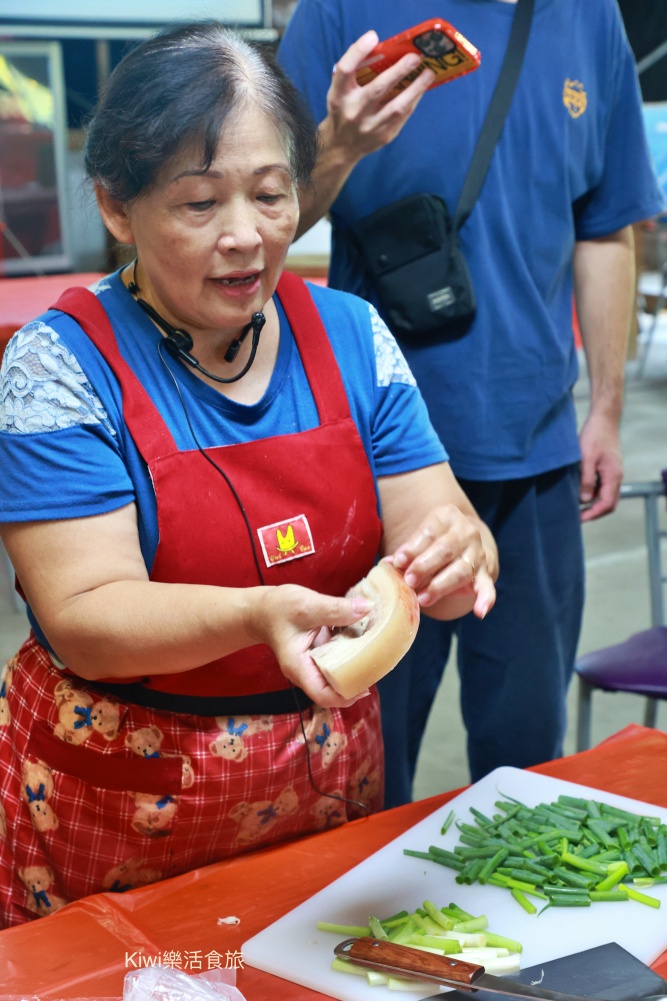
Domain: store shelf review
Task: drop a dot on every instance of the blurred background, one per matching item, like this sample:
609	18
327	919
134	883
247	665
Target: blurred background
55	56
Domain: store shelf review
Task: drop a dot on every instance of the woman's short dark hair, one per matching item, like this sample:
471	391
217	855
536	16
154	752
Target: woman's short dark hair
174	91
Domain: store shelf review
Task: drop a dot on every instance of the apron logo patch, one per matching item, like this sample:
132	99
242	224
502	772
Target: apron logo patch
286	540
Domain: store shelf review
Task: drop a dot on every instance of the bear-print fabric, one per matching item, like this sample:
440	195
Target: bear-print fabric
99	795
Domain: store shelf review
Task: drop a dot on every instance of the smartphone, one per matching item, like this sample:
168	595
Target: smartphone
443	49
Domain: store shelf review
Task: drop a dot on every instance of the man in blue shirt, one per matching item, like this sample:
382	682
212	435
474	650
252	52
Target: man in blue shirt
568	178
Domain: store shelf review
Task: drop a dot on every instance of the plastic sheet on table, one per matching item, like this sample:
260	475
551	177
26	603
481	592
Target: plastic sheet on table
163	983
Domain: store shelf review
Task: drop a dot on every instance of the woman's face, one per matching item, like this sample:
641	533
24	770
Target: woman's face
211	245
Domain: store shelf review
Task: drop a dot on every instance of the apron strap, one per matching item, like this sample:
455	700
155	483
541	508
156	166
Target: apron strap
148	429
151	435
317	356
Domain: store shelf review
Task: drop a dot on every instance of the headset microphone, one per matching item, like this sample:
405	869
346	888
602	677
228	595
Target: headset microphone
178	343
257	322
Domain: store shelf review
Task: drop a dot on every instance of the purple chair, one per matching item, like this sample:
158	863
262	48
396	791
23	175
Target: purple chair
638	665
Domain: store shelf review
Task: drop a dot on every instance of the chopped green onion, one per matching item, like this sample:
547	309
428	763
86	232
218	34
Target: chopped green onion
436	915
346	931
483	851
401	935
570	900
522	899
395	919
377	931
470	872
436	942
492	864
448	822
580	879
588	865
566	891
480	818
641	898
646	859
581	804
472	924
614	877
345	966
607	895
662	848
569	848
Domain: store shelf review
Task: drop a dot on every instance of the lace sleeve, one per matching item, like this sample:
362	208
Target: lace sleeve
42	386
390	363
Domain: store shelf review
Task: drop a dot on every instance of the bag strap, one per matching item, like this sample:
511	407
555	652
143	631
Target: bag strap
497	113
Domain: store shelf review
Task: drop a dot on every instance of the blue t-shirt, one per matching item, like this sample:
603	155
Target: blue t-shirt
572	164
65	450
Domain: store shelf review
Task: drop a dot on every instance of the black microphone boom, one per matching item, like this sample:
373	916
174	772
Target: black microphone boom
179	343
257	322
175	343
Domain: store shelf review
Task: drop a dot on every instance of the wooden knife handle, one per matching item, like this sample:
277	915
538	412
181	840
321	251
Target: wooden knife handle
401	959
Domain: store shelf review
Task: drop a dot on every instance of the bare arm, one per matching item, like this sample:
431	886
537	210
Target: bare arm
433	533
359	121
86	581
604	278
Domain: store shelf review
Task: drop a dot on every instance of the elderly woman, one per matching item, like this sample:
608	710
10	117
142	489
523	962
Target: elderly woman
200	457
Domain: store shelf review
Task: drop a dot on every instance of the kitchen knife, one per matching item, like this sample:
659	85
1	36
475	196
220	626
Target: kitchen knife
402	961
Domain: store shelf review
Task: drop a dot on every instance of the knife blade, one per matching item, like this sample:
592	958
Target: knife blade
402	961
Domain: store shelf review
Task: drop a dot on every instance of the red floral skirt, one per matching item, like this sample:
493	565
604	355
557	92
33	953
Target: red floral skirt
99	795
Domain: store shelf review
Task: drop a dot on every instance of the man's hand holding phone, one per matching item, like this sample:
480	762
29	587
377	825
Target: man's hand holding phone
363	118
437	43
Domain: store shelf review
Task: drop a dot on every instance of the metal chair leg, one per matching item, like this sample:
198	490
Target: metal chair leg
660	302
651	713
584	715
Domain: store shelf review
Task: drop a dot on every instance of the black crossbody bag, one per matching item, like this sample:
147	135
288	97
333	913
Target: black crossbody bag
410	249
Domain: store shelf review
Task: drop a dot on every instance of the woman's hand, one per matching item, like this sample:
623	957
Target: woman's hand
291	620
446	556
434	535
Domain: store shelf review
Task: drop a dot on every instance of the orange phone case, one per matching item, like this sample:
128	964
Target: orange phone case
443	49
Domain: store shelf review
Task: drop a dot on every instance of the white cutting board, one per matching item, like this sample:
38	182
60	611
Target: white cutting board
390	881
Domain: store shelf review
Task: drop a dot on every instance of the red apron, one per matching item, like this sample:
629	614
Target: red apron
204	786
316	482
